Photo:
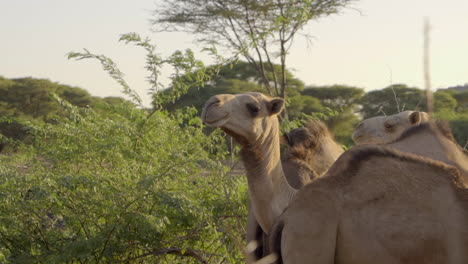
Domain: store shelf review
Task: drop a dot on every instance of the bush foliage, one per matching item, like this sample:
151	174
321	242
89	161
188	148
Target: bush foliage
117	183
121	187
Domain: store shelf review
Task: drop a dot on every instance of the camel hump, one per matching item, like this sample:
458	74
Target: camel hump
352	159
318	128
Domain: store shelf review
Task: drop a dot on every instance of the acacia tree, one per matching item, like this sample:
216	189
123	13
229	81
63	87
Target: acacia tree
261	31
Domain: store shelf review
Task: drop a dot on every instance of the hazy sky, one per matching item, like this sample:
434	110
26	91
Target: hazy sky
370	48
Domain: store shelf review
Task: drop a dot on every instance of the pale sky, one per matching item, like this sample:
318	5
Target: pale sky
379	45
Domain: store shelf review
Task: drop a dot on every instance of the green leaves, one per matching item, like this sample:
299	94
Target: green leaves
111	182
111	68
259	31
108	188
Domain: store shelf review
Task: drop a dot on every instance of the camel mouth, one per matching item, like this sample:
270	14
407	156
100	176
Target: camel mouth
213	116
218	122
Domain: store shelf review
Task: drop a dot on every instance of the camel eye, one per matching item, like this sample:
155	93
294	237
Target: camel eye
388	126
253	109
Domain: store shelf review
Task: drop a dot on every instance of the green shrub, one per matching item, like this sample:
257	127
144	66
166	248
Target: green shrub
14	131
121	187
119	184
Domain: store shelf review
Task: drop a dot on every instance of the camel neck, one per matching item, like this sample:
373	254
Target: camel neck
327	155
269	190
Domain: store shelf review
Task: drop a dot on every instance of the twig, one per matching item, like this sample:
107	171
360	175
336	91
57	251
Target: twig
393	90
420	101
381	110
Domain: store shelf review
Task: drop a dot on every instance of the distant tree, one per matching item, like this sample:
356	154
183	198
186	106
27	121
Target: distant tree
462	101
13	131
343	101
30	97
336	96
459	88
114	100
303	104
459	126
444	101
5	108
400	97
391	100
235	78
76	96
5	84
197	96
258	31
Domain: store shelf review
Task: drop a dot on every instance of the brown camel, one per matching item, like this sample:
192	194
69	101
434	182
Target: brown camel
312	146
413	126
311	150
377	204
435	141
385	129
251	119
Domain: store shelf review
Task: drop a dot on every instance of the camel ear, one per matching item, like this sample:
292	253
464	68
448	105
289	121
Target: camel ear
275	106
424	116
415	118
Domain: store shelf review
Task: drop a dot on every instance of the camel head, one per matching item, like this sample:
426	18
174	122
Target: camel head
313	144
246	117
303	142
385	129
298	138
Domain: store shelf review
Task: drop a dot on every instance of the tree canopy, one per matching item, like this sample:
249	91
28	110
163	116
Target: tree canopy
343	100
31	98
261	32
232	78
392	100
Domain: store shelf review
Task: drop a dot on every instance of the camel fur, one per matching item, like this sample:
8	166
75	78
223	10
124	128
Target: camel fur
377	204
311	150
251	119
385	129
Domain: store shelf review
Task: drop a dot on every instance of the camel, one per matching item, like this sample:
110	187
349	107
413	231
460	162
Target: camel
312	146
435	141
311	150
390	129
251	119
385	129
412	209
377	204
